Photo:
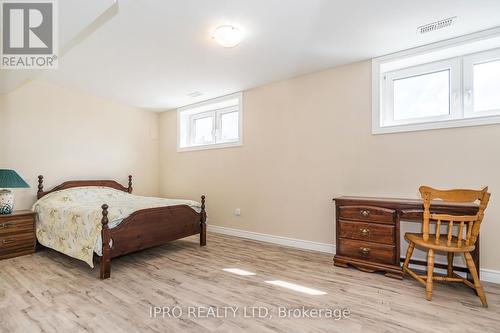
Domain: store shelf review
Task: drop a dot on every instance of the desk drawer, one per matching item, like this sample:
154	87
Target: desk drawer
16	251
367	213
374	252
373	232
16	241
16	225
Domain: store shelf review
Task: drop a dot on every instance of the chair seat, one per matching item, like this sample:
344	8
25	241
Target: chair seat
419	241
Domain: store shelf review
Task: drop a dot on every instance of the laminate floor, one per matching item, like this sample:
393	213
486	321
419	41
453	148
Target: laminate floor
49	292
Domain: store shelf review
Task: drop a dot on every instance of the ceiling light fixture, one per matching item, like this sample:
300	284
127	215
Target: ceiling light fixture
227	35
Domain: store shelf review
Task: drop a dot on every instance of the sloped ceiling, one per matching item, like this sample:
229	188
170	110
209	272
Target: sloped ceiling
155	53
76	19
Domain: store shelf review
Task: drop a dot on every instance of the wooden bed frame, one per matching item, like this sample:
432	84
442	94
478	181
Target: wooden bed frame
142	229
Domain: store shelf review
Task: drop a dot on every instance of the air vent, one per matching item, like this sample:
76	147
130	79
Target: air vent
436	25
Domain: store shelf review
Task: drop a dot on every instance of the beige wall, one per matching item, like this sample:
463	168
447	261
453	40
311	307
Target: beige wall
305	141
65	135
308	139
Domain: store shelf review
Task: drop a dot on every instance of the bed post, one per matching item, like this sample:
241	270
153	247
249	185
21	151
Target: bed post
105	263
40	186
203	225
129	189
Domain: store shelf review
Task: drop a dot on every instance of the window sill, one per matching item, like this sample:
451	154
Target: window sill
212	146
436	125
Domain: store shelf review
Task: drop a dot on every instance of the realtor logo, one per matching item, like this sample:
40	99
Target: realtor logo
28	34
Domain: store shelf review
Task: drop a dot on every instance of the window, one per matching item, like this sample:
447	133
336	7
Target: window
421	94
212	124
456	84
482	84
202	129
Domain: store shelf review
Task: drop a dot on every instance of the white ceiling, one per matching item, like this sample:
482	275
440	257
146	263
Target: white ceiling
153	53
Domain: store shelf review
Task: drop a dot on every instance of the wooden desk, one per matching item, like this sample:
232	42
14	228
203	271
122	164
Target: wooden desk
368	231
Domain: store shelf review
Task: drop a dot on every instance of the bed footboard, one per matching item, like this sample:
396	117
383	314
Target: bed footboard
148	228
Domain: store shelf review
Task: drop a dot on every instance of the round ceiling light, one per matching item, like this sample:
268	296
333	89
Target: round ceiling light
227	36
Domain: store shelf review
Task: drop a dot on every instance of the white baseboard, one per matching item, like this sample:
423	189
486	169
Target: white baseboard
291	242
436	270
490	275
487	275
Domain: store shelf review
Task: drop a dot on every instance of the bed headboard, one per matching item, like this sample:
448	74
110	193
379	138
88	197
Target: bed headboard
79	183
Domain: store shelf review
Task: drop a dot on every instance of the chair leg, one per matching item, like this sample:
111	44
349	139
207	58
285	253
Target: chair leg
409	253
430	270
450	264
477	283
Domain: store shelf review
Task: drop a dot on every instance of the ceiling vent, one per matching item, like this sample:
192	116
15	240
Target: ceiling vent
436	25
195	94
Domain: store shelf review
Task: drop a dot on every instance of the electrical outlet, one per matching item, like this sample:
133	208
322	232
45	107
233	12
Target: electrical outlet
237	212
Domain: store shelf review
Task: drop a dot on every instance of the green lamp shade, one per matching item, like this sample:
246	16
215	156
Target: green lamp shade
10	179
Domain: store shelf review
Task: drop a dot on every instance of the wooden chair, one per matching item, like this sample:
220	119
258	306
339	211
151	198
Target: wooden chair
449	243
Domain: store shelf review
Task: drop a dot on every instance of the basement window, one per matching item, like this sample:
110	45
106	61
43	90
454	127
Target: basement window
449	84
215	123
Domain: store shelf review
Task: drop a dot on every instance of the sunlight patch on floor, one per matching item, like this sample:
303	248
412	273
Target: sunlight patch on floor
296	287
238	271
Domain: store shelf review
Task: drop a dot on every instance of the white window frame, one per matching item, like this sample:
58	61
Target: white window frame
218	119
468	73
460	52
454	112
192	127
216	113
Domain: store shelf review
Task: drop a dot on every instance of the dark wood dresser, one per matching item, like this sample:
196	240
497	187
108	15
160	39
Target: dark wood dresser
368	231
17	234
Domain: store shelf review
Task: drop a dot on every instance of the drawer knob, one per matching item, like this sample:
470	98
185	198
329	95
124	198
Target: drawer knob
365	231
8	241
365	212
6	225
364	251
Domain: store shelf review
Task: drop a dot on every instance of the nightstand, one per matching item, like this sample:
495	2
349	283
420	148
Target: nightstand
17	234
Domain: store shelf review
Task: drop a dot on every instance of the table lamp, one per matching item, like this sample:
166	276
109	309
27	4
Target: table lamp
9	179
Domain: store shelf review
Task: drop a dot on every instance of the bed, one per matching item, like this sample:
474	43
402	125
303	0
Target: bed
83	218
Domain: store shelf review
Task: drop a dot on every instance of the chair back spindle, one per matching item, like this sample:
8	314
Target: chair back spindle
471	223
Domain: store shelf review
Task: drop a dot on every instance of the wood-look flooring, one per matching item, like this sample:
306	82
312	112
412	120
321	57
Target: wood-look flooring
49	292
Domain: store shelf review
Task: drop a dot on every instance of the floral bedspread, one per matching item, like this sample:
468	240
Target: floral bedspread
69	221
